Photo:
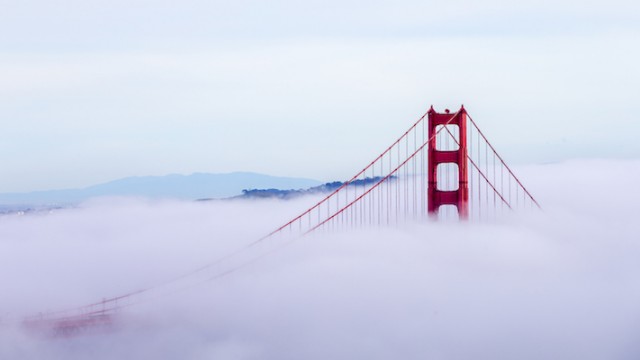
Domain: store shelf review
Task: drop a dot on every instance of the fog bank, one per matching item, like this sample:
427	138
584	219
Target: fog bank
560	284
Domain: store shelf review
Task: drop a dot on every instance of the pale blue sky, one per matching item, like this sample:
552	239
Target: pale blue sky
92	91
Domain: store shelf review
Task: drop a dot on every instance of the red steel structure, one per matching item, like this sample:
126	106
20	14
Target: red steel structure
411	180
436	196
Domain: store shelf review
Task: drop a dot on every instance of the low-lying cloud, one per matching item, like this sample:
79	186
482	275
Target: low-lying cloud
560	284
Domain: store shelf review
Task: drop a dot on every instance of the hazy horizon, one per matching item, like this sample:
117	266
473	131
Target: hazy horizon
92	92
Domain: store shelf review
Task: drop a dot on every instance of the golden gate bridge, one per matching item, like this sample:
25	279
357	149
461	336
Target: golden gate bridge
442	168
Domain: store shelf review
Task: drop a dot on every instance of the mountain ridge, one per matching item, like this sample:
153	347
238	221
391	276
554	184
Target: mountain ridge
177	186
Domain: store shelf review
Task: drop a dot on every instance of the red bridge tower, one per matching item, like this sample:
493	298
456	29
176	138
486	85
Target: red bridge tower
436	196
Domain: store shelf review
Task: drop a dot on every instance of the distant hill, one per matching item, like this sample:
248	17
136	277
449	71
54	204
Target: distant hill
293	193
186	187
